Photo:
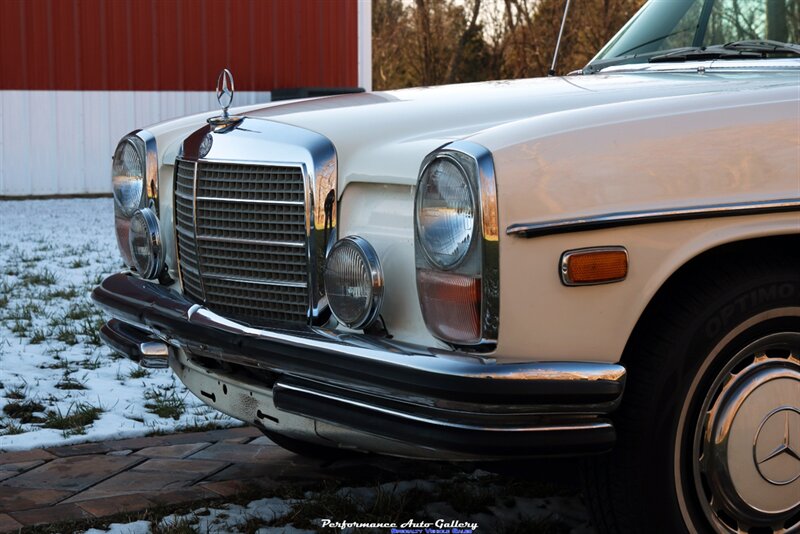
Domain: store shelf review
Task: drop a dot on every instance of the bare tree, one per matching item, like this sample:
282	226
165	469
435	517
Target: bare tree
458	53
430	42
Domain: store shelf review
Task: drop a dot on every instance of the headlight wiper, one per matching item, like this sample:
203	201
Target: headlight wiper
749	49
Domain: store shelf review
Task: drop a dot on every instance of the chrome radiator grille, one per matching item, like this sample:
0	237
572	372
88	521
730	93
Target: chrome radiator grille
241	234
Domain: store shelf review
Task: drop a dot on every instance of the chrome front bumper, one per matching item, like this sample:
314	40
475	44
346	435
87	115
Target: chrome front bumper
371	393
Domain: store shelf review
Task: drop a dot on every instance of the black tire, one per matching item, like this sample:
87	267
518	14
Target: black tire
692	334
307	449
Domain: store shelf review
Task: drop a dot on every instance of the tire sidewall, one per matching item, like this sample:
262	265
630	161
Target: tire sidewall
736	317
785	319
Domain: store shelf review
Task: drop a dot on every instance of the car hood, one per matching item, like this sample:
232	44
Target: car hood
383	136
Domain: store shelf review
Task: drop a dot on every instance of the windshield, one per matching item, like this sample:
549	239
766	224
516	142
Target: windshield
663	25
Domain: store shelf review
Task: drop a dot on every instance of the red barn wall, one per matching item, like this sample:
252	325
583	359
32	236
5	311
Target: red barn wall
177	45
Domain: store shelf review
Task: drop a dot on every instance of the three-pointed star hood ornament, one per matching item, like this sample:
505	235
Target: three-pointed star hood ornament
225	90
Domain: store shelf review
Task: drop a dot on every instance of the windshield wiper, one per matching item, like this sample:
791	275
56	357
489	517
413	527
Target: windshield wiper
749	49
695	53
764	47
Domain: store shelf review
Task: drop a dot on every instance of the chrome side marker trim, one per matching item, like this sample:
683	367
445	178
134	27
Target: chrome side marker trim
629	218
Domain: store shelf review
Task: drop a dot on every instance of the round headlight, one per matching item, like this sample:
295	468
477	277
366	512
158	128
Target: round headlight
354	282
445	213
128	176
145	244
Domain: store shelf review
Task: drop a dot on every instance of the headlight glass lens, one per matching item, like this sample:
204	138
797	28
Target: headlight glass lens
353	282
128	176
445	213
145	244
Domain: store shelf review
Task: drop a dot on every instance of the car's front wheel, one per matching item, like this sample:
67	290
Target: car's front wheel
709	428
737	450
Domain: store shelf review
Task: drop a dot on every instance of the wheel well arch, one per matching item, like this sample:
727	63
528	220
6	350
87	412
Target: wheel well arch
763	248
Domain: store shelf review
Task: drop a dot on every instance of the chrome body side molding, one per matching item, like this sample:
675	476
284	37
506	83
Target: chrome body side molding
629	218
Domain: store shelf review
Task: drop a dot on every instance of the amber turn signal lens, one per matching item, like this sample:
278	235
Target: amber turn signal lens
594	266
451	305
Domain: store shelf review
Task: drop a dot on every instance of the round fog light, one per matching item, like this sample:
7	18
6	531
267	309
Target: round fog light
145	244
354	282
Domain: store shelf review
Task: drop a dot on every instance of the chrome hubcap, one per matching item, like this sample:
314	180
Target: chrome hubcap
746	448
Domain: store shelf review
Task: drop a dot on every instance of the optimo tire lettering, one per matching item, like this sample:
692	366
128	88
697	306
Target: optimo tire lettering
752	299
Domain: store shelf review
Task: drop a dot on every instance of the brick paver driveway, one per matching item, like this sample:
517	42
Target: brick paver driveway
44	486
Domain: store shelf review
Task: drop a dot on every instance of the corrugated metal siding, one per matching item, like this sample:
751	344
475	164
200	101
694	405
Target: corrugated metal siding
76	75
177	45
61	142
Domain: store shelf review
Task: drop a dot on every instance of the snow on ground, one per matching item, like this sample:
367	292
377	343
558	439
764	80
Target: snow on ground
58	383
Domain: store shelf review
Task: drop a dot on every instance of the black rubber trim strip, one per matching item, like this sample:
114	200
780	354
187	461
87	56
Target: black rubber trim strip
630	218
562	437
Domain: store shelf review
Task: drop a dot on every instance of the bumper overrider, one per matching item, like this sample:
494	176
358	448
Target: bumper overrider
366	392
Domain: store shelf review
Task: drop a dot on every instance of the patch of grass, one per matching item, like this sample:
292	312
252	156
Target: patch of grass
31	259
69	383
90	328
56	321
139	372
95	279
75	420
68	293
24	411
59	364
11	429
91	365
191	427
23	312
37	336
17	393
20	328
40	277
66	335
78	263
80	312
163	403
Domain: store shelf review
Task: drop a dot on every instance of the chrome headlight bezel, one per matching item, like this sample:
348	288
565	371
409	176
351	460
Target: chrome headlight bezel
150	264
477	273
375	282
127	183
143	143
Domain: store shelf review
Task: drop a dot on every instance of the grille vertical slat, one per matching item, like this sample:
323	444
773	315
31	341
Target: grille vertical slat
246	254
184	223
